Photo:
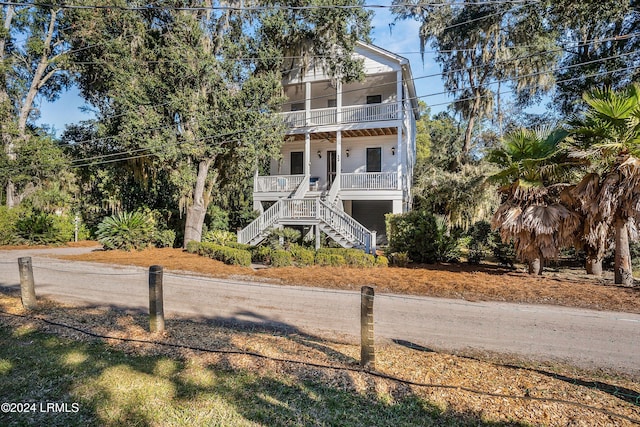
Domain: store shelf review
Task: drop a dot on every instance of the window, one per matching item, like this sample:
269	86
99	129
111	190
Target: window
374	159
297	162
374	99
298	106
332	103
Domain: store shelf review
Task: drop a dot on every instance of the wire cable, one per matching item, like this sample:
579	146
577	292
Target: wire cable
327	366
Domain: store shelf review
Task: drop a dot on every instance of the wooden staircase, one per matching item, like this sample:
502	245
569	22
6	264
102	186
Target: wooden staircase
337	224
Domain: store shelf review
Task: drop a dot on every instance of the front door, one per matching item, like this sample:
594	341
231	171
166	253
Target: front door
331	167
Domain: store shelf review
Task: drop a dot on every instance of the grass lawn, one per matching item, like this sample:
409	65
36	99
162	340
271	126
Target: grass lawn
113	388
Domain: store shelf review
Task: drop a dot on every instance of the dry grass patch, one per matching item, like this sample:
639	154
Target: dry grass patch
122	382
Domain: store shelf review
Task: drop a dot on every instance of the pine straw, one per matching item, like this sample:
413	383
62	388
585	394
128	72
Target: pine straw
476	283
481	390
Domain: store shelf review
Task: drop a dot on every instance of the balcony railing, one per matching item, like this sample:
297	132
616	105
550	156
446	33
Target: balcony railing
277	183
348	181
349	114
369	181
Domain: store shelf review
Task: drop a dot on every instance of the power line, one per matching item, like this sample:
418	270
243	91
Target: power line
257	8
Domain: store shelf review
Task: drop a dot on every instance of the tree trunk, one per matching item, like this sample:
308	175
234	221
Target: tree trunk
622	264
593	264
198	209
4	101
536	266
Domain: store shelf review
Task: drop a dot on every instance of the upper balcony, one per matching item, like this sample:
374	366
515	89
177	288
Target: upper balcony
348	114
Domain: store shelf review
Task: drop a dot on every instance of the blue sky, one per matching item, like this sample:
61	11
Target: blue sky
401	38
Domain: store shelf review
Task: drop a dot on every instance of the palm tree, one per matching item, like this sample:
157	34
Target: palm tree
532	176
607	139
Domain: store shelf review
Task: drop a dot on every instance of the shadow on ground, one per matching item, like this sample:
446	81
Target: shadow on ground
114	387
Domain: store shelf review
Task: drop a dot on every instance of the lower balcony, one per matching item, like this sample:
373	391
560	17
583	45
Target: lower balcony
348	181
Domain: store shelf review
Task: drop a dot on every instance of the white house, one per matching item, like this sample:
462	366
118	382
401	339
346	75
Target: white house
349	154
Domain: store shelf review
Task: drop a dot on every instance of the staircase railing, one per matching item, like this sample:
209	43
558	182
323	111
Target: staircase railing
345	225
267	219
315	209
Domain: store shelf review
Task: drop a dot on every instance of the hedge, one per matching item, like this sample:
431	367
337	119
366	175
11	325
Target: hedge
225	254
281	258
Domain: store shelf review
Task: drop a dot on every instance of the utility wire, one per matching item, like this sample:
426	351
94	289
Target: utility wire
258	8
326	366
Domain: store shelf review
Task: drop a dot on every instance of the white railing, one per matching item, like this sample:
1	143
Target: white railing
323	116
277	183
263	222
369	181
298	208
295	119
309	209
370	113
345	225
350	114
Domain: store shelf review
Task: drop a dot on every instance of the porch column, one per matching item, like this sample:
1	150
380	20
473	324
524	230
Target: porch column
339	101
307	103
338	156
399	152
307	154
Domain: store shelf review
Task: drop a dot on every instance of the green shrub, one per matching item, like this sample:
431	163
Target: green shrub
302	256
288	236
193	247
164	238
42	228
261	254
8	225
357	258
382	261
126	231
505	253
399	259
225	254
281	258
236	245
330	259
219	237
422	236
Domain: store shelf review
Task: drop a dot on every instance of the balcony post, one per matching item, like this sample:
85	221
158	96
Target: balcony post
399	153
339	101
307	103
338	158
307	154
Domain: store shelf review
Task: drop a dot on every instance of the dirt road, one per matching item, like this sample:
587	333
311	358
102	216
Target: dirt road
582	338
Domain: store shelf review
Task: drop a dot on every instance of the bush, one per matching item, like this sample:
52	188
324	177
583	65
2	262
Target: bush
164	238
261	254
422	236
504	253
302	256
330	259
126	231
399	259
42	228
478	245
225	254
289	236
358	258
382	261
280	258
236	245
193	247
220	237
8	226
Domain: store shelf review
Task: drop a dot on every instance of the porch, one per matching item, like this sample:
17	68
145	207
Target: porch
348	181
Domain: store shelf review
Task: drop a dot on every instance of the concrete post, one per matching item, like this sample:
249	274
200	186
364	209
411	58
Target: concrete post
27	285
156	305
367	351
